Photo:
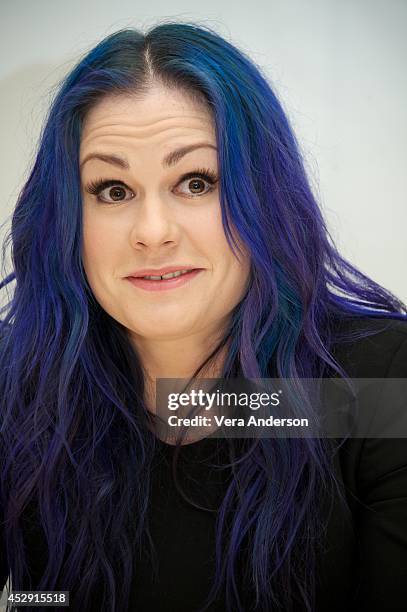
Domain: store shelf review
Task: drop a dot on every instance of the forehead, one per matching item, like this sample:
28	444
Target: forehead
159	115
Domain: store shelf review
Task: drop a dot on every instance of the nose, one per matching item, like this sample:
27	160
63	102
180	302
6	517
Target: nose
153	224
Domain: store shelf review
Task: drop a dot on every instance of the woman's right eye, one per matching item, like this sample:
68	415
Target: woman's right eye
115	190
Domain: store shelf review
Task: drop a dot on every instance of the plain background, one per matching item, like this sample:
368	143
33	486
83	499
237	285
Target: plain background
338	66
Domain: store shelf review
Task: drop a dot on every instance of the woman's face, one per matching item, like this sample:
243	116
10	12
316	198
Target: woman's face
151	217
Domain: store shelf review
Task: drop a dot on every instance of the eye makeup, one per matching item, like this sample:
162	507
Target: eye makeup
97	186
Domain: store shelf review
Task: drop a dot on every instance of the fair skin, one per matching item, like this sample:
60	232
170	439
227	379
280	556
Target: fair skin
155	220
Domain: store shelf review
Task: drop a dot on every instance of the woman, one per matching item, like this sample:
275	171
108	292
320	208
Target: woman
169	152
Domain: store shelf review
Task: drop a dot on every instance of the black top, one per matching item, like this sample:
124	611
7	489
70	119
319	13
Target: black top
364	566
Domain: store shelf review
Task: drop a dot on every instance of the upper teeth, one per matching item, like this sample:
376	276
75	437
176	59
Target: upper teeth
169	275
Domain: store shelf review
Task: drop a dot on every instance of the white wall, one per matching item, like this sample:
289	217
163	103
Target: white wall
337	65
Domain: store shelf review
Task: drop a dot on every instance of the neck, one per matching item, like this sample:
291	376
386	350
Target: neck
178	358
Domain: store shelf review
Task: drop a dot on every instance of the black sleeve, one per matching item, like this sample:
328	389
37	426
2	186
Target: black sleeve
382	528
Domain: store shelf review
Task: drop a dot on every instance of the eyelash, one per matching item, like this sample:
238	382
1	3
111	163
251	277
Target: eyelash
99	185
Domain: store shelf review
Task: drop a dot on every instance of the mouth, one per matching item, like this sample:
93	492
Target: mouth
170	280
169	275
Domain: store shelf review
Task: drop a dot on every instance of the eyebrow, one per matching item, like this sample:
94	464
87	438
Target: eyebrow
169	160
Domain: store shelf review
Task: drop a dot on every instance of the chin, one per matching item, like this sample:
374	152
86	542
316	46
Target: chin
160	331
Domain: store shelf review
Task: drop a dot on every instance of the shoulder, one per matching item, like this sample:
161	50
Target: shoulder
370	347
375	467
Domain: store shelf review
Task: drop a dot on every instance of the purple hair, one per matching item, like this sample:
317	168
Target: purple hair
71	383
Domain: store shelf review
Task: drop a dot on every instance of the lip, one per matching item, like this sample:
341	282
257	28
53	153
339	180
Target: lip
160	271
166	284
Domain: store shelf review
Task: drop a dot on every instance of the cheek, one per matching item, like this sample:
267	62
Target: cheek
98	246
208	231
238	271
211	237
233	274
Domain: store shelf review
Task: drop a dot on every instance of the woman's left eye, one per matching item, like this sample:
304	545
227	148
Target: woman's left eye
194	181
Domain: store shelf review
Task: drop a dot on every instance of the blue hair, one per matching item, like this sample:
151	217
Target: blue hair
71	382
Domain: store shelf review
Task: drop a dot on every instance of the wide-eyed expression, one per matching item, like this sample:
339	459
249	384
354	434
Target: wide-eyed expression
159	208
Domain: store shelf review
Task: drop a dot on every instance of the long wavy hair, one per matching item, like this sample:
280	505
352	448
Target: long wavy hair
75	446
